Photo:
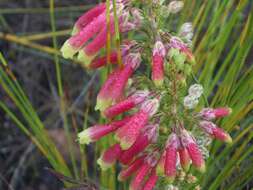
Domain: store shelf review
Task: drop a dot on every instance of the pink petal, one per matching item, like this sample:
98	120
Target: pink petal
150	184
88	17
170	163
109	157
102	61
133	167
139	145
128	133
137	182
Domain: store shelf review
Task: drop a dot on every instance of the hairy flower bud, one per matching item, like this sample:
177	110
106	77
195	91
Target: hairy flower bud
88	17
214	131
195	90
190	102
127	104
171	157
158	63
128	133
190	144
175	6
210	113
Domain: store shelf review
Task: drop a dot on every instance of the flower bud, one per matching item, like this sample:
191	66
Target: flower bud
172	146
175	6
150	106
195	90
127	104
186	31
210	113
190	102
190	144
158	63
216	132
88	17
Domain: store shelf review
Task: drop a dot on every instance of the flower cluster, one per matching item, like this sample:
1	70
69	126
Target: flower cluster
155	138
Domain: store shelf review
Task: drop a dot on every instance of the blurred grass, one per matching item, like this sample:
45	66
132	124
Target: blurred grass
223	48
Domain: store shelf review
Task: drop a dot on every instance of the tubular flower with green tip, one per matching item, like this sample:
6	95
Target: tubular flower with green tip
159	53
172	146
146	169
184	156
104	98
147	136
128	133
88	17
127	104
210	113
190	144
214	131
98	131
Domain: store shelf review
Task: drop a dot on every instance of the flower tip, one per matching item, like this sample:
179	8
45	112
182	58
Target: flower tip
158	83
228	139
170	179
67	50
84	137
120	177
202	168
125	145
102	104
186	167
82	57
103	165
75	30
230	110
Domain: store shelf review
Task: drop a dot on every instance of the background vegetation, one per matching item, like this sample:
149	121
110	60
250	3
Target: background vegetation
46	100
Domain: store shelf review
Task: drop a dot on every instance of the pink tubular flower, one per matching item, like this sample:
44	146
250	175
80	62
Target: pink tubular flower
137	181
171	157
109	157
147	167
151	181
101	61
214	131
127	104
143	140
184	158
104	98
98	131
132	62
76	42
190	144
87	54
132	168
158	63
128	133
87	17
210	114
